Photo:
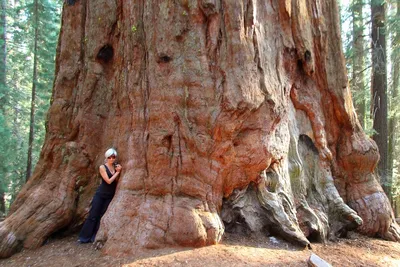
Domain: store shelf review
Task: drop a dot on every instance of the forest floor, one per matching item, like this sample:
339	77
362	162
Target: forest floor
234	250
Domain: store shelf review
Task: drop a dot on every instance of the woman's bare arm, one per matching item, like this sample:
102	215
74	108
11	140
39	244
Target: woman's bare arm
104	175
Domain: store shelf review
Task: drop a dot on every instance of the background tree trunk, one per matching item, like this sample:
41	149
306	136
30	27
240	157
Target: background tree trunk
3	91
358	64
379	90
394	118
33	97
3	54
214	106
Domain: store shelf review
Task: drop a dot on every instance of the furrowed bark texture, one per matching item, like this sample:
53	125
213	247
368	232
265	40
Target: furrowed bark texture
234	111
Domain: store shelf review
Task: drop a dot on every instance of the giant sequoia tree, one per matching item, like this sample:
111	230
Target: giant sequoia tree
221	111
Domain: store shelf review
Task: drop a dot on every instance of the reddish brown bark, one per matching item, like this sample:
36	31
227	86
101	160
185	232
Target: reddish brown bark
207	102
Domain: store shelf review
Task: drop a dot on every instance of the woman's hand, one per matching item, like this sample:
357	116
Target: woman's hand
118	168
104	174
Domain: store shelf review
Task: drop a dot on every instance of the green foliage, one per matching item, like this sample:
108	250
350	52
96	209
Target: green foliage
15	89
355	36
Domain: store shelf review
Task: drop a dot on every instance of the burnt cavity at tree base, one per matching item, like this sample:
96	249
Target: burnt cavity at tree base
314	213
244	214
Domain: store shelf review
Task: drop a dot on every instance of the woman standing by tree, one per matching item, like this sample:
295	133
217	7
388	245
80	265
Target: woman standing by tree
109	173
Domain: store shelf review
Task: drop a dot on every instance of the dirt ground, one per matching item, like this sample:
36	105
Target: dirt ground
234	250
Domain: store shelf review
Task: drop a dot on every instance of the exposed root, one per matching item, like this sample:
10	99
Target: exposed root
393	233
376	212
314	224
264	207
285	220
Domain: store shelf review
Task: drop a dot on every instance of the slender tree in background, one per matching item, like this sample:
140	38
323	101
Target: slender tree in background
358	61
379	89
3	98
394	150
34	82
49	27
3	53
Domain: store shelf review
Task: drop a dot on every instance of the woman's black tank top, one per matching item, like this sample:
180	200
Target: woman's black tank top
105	189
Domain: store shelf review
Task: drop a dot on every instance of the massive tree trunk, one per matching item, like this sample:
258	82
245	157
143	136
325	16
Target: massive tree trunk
220	110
